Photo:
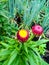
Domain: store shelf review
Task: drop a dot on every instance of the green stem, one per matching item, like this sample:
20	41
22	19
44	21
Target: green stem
31	37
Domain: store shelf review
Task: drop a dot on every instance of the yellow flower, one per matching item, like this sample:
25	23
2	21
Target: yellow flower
22	35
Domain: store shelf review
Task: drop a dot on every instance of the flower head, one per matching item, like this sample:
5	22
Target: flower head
37	30
22	35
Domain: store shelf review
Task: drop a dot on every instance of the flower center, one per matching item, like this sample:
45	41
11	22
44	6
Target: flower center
23	33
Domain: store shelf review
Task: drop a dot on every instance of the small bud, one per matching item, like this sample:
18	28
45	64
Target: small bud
37	30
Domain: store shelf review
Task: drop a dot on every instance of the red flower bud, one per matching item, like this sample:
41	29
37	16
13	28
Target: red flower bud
23	35
37	30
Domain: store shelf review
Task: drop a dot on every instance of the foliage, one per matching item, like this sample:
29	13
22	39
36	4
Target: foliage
33	11
13	52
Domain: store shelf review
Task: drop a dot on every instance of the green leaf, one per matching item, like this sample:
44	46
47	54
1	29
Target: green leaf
5	52
11	6
34	56
23	61
16	60
25	48
10	40
5	44
39	42
31	59
12	57
42	62
3	58
5	13
5	62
